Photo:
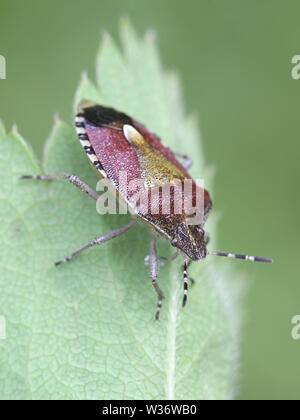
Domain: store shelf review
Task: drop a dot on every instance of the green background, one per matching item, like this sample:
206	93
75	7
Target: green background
234	59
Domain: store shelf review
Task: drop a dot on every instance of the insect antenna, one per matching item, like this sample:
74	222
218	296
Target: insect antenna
242	257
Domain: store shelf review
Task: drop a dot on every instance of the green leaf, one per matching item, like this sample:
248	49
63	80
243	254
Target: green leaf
86	330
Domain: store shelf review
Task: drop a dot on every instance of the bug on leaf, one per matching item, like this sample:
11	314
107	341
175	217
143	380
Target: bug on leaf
116	144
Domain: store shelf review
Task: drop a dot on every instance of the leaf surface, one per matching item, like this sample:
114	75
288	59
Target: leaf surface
86	330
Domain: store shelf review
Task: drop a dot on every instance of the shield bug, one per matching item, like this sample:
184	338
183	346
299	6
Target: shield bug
116	145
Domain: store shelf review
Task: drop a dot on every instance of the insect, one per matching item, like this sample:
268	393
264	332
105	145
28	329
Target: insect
116	144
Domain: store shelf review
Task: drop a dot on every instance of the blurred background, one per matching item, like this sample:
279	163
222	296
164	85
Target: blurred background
234	59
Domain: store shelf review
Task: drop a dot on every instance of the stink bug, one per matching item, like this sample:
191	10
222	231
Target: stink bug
115	143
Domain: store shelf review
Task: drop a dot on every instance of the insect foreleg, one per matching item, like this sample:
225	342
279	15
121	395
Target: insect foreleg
73	179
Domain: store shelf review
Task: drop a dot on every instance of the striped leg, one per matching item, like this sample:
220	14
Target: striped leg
189	278
73	179
98	241
153	275
188	263
185	283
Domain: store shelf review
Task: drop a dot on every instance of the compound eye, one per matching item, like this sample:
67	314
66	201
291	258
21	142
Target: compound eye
174	242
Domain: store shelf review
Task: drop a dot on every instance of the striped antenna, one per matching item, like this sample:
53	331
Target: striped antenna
242	257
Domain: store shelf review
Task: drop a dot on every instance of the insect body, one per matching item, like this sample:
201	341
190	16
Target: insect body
117	145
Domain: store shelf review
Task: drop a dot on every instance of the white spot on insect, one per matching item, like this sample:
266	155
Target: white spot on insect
79	119
93	158
85	143
130	133
251	258
231	256
80	130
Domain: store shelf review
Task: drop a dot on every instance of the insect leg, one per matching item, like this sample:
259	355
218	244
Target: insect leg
189	262
186	277
190	278
153	275
187	163
73	179
185	283
169	259
162	260
99	240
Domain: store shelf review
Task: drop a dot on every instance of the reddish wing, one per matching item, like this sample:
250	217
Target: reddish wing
109	150
156	142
